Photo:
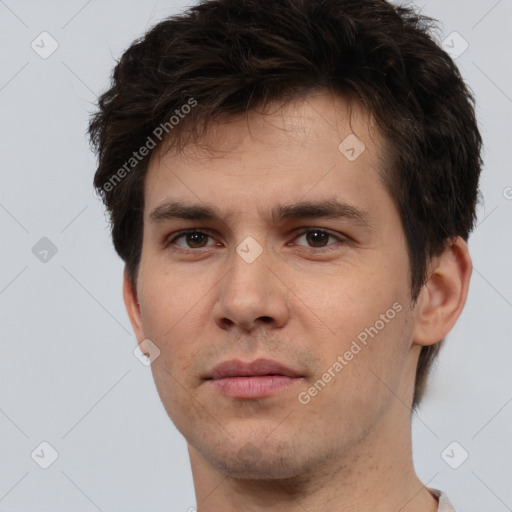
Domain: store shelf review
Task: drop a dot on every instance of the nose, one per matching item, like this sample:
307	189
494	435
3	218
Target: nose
250	295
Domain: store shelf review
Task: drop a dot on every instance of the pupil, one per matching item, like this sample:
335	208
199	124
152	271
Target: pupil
194	238
315	237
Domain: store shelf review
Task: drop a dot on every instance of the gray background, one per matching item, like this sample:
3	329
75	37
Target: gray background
68	375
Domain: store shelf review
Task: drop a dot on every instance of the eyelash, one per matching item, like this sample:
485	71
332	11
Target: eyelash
325	249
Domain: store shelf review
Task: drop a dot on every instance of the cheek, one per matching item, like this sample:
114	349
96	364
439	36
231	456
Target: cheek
347	301
176	309
169	311
368	367
166	298
363	319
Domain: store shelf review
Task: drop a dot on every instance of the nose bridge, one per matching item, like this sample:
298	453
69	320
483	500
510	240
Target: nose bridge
248	268
249	290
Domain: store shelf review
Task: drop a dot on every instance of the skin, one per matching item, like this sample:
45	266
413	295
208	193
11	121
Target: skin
349	447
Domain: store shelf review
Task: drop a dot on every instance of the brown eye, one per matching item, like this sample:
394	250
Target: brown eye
318	238
196	239
193	240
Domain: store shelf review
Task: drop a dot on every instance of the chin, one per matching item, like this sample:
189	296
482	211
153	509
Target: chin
261	470
248	462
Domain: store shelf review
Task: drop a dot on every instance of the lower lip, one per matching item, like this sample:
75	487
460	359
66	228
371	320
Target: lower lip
253	387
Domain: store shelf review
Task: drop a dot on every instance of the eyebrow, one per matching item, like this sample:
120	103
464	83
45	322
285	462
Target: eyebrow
329	208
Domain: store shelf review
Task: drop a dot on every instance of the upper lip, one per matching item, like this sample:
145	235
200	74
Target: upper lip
258	367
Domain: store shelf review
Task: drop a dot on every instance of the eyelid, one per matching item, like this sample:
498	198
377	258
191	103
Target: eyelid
340	237
178	234
302	231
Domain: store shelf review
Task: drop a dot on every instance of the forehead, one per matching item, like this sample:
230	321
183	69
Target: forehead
303	146
300	119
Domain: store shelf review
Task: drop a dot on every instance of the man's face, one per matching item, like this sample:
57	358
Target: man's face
306	291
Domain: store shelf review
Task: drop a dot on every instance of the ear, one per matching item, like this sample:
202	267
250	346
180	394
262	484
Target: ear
444	294
133	309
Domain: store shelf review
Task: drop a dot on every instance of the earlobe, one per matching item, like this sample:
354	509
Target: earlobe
133	309
444	294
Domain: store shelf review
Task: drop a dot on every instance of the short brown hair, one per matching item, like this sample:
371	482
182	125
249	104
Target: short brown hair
230	56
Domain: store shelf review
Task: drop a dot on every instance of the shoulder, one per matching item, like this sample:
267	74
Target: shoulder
444	502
